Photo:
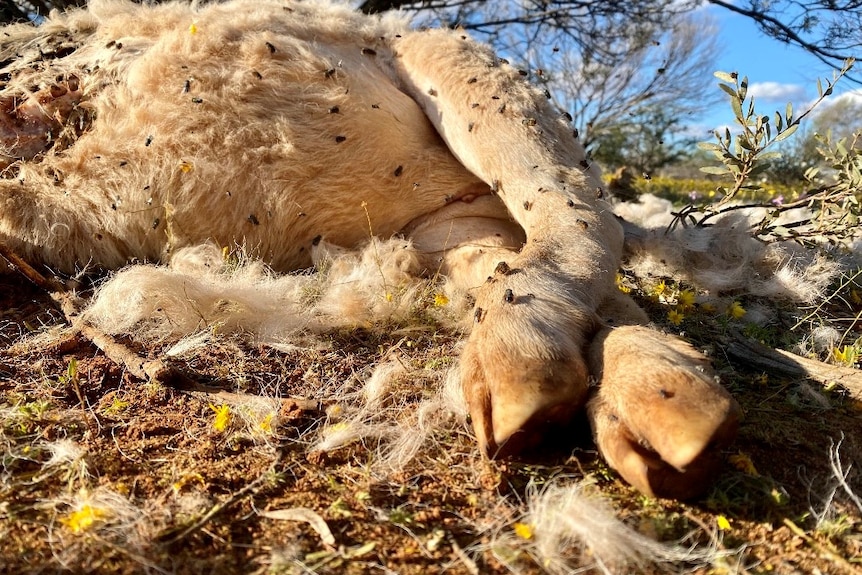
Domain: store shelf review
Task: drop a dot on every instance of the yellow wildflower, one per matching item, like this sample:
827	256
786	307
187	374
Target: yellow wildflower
187	479
523	530
222	416
660	289
621	285
265	424
685	299
675	316
84	517
846	355
117	406
440	299
735	310
723	523
193	29
742	462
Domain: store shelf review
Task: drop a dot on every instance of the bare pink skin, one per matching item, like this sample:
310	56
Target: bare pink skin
29	127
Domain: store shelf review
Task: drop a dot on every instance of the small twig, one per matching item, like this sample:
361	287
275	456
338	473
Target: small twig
824	551
146	369
48	284
155	369
777	360
171	536
215	395
840	474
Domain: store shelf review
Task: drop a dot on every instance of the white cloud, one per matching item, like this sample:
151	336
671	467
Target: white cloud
776	92
702	132
852	97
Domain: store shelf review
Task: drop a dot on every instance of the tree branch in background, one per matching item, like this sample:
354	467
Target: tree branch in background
606	64
830	30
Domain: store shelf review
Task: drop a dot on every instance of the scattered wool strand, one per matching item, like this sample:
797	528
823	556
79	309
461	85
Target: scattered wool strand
724	257
200	291
568	525
388	415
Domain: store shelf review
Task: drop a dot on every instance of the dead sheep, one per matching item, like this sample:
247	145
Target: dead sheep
129	132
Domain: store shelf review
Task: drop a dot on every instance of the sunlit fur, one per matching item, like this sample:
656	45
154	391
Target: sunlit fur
132	132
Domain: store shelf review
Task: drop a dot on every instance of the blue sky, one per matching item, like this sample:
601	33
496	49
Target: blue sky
777	73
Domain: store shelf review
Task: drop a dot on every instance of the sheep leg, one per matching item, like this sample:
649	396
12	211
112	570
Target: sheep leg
524	363
659	417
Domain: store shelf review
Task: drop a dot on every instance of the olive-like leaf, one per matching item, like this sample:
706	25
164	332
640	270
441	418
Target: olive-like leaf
729	90
758	169
745	143
725	77
786	133
715	170
769	155
737	109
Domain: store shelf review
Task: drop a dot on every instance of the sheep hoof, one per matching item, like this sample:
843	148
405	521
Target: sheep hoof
523	369
659	418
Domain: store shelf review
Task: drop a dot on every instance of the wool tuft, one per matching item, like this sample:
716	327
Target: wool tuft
724	257
203	291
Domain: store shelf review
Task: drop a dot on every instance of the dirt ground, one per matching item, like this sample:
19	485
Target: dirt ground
106	473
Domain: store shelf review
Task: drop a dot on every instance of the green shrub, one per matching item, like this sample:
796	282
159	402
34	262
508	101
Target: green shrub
688	191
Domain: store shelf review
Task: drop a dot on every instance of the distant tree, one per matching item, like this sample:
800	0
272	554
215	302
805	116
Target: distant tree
650	84
647	144
840	117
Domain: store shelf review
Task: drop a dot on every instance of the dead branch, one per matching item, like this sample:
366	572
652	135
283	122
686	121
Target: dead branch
159	370
48	284
217	395
772	360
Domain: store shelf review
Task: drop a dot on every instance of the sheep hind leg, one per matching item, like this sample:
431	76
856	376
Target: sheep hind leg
659	417
466	240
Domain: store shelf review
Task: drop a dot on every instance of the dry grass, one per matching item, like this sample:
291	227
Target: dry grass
104	473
